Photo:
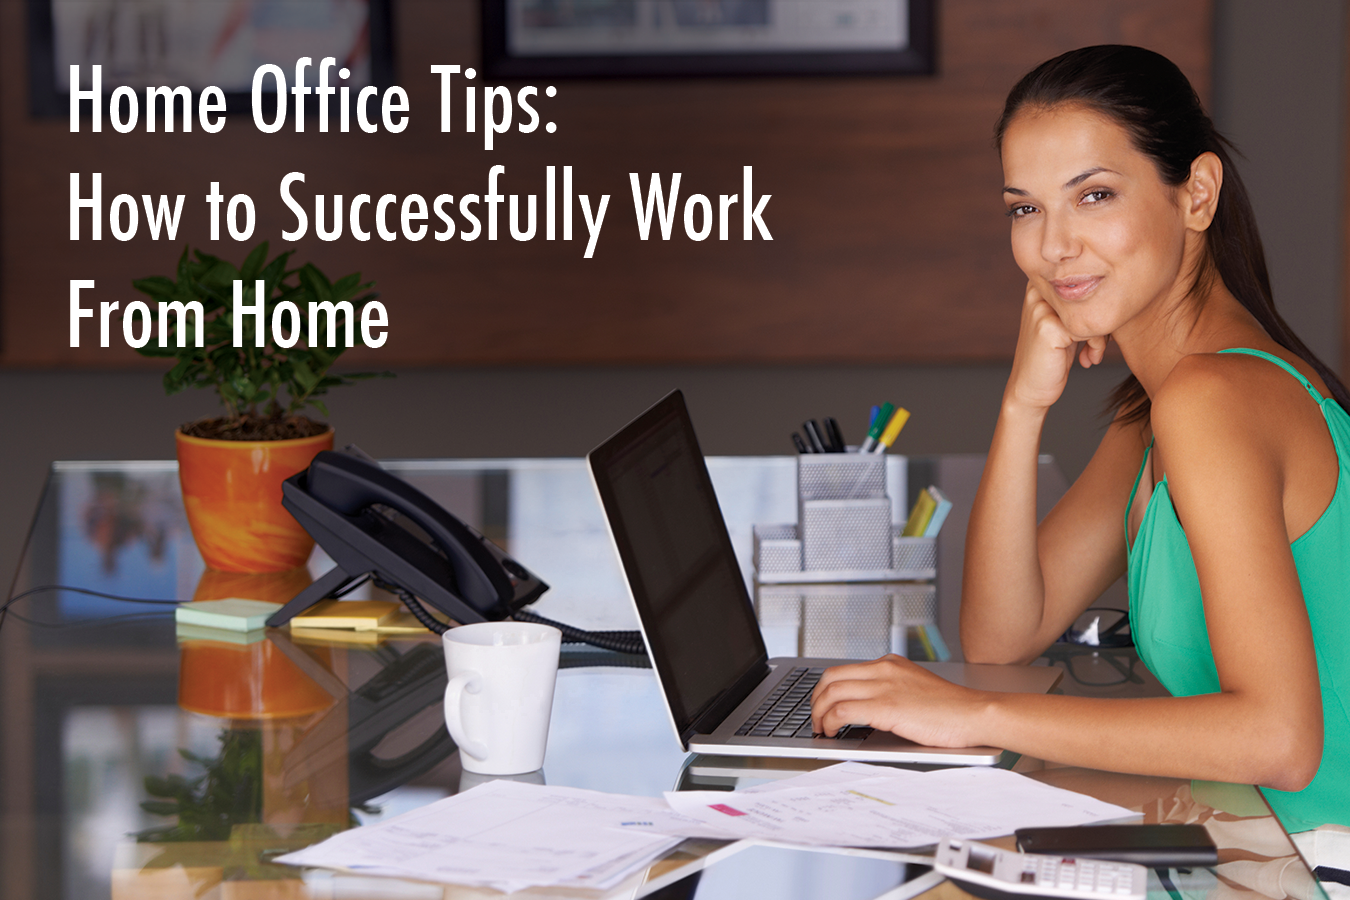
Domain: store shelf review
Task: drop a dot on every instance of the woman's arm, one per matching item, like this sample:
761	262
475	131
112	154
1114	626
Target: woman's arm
1241	736
1023	586
1225	464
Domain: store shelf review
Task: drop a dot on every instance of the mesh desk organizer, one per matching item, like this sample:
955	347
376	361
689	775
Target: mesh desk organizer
843	577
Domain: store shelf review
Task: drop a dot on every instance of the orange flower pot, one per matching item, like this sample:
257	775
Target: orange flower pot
232	496
254	682
270	587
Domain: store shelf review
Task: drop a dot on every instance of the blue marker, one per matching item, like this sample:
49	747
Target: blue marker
879	423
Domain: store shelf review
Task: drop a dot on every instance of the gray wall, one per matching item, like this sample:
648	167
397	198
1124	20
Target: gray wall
1279	93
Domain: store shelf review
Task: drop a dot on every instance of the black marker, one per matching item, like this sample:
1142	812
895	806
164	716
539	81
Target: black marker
835	435
814	436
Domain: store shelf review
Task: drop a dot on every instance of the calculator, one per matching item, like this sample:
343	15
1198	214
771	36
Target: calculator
989	872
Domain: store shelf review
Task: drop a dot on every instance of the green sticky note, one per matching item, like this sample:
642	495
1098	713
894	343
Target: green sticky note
232	614
220	635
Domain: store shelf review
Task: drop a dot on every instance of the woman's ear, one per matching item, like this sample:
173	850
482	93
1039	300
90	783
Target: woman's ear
1199	196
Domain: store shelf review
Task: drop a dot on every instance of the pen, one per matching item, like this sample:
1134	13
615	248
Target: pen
799	443
835	435
813	436
878	425
892	430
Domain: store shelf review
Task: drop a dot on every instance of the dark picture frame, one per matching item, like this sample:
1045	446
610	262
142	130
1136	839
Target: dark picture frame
916	57
48	99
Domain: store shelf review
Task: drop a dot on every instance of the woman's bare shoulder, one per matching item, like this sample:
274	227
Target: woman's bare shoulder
1220	403
1223	387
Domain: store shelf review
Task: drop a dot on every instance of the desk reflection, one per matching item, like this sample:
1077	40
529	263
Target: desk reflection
221	754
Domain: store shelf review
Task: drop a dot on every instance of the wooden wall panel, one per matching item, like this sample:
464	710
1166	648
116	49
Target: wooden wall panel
889	243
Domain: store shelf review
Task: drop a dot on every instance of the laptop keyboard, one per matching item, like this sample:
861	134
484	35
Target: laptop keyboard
786	712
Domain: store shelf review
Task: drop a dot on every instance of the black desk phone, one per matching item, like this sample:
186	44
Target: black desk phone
377	526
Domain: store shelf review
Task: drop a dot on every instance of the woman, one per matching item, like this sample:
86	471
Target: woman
1224	463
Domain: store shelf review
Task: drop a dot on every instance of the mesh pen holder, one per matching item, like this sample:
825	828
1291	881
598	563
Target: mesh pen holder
841	476
846	620
778	559
843	513
844	531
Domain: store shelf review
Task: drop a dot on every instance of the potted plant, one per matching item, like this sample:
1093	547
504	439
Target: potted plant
231	467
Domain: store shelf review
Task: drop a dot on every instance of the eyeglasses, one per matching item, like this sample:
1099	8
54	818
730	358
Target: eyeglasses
1096	668
1100	627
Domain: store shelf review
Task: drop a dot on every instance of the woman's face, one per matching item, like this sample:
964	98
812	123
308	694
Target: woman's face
1096	231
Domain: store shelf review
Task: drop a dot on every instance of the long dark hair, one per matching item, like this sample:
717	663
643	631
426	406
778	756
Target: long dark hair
1147	95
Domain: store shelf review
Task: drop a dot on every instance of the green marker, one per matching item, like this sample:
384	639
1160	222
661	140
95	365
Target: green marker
878	426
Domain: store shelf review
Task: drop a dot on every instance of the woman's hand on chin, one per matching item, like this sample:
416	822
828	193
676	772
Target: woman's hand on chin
1092	351
1045	354
893	694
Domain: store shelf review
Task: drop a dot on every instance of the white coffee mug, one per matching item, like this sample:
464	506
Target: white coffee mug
500	695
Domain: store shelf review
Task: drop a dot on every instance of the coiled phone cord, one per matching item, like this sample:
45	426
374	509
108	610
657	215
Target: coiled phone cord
617	641
414	606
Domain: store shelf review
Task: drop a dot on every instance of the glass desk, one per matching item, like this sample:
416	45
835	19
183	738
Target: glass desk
112	720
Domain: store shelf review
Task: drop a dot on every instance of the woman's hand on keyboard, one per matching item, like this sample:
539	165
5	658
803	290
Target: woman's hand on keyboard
893	694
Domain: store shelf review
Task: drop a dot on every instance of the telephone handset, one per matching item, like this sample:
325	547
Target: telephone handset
374	524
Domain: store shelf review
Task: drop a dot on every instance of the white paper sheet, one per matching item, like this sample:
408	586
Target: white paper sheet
835	774
508	836
857	805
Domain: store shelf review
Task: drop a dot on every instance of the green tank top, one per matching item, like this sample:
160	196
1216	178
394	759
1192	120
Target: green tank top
1167	617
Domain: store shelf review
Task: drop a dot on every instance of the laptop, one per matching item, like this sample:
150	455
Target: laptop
699	623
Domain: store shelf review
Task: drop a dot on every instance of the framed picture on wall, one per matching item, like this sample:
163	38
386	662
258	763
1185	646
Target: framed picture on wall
201	43
633	38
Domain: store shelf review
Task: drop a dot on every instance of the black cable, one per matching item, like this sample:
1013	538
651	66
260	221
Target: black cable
414	606
1167	883
45	588
76	590
629	642
102	620
1332	874
351	586
592	658
618	641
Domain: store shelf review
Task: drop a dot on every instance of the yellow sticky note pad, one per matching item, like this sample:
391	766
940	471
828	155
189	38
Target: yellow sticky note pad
360	615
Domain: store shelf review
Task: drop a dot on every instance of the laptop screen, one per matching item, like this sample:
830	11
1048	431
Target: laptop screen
672	540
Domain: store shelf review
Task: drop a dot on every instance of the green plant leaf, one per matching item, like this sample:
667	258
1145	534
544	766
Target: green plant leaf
316	284
247	377
157	286
253	263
